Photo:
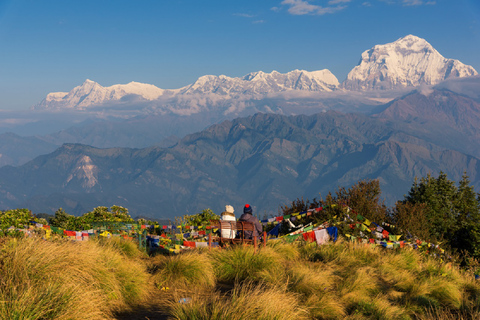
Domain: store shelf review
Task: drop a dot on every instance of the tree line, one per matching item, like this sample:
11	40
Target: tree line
435	210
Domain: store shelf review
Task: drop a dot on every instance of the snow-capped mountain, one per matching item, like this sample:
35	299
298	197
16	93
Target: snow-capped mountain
263	83
91	93
409	61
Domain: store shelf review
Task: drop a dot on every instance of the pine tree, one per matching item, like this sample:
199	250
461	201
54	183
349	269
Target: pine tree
467	233
452	214
439	195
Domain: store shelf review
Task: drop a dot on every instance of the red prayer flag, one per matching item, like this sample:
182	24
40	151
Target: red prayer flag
190	244
309	236
385	233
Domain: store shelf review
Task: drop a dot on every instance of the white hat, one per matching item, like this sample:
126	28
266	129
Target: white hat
229	208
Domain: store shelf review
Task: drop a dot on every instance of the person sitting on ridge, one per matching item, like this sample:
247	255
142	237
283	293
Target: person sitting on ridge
248	217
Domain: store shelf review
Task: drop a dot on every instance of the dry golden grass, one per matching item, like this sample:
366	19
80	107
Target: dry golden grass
247	301
327	306
288	251
66	280
192	269
242	263
312	279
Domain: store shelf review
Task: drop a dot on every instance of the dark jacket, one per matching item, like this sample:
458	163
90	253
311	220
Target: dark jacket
258	226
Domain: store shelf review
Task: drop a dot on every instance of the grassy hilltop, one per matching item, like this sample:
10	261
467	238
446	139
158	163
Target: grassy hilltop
111	279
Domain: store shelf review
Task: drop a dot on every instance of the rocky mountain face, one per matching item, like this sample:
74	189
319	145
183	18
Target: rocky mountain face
408	62
440	116
266	160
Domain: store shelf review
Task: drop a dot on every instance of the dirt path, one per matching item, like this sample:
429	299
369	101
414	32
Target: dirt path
154	308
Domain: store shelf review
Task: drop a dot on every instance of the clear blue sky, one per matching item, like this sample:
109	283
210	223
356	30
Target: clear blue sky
54	45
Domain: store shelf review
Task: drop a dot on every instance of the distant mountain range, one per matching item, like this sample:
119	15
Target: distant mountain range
264	139
409	61
140	115
265	159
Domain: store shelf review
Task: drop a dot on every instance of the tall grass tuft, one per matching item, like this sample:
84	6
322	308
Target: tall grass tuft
191	269
246	301
358	284
128	248
327	306
315	279
242	263
66	280
288	251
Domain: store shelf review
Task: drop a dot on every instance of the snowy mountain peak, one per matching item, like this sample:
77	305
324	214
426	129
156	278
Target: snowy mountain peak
90	93
409	61
260	82
413	43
